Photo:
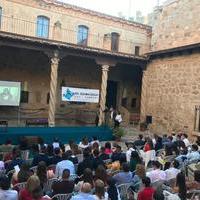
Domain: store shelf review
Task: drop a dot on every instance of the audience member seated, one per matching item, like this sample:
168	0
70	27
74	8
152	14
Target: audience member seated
22	175
148	145
56	158
148	192
101	174
181	188
72	157
96	160
84	143
108	149
49	150
34	151
156	174
139	141
37	194
86	178
113	192
125	176
86	163
75	149
44	174
194	155
41	157
15	161
64	164
129	151
165	139
158	142
169	147
118	155
139	175
85	193
172	171
94	140
135	159
184	138
103	155
63	186
5	192
100	193
195	184
23	144
32	183
56	143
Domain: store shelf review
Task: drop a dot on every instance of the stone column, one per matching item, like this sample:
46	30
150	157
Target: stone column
105	69
143	97
53	89
197	119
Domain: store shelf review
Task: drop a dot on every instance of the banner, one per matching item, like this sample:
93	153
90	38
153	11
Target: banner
80	95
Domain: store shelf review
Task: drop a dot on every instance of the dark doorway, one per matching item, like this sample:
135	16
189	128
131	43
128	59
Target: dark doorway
111	97
115	42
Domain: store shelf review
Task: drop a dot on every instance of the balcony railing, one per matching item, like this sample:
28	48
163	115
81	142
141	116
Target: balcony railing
57	33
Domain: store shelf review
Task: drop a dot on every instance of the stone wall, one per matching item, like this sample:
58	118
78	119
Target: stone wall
177	24
171	91
21	17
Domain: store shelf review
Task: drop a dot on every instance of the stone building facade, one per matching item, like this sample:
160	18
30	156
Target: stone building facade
30	59
171	89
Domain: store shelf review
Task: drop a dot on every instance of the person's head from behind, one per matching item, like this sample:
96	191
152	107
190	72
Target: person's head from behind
167	165
33	182
69	152
197	176
65	174
37	193
125	167
94	138
101	173
88	176
25	167
146	181
65	156
140	170
135	156
156	165
99	188
96	153
118	149
181	184
102	150
95	145
43	149
108	145
140	136
158	195
49	149
42	171
4	182
86	153
176	164
84	141
194	147
57	151
86	188
16	153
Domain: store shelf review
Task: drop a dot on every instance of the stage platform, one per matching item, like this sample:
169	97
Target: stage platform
64	134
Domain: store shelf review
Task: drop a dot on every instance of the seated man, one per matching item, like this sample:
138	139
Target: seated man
194	155
85	193
125	176
64	164
96	160
156	174
118	155
63	186
40	157
172	172
5	192
56	158
139	141
103	155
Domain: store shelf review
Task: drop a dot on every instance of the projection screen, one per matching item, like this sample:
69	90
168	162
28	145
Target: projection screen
10	93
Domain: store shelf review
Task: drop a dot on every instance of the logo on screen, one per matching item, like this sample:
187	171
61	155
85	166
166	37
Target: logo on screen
68	94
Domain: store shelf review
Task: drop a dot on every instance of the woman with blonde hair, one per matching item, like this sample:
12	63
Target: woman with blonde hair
32	183
100	193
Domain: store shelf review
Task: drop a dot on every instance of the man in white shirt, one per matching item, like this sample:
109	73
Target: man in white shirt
65	164
194	155
184	138
172	172
156	174
5	192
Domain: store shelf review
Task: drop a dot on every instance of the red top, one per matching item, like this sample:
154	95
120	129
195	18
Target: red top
147	147
25	195
146	194
108	151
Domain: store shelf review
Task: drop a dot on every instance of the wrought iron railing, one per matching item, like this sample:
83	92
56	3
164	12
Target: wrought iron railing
57	33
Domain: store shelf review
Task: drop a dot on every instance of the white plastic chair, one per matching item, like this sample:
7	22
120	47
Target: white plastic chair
19	186
123	190
62	196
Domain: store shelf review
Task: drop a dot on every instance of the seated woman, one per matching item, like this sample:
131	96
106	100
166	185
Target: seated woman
108	149
101	174
135	160
86	178
100	193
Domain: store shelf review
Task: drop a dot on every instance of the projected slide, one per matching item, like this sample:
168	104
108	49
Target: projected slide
10	93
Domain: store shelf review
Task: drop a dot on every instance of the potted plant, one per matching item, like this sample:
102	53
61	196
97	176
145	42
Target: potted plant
118	133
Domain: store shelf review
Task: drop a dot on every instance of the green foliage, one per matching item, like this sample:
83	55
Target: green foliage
119	132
